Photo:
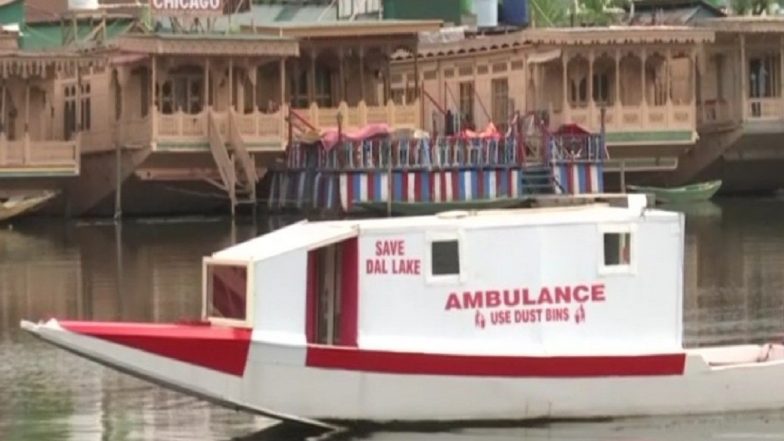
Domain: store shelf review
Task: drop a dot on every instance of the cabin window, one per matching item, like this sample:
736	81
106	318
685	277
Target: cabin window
617	249
226	291
445	258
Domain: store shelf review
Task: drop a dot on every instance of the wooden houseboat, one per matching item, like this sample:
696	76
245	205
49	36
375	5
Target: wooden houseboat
154	110
417	319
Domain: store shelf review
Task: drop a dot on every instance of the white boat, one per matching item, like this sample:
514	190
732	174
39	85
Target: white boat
557	313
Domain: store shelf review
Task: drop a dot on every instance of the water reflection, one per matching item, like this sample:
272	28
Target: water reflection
150	270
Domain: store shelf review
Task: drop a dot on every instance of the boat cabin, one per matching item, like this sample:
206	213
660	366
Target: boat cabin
567	275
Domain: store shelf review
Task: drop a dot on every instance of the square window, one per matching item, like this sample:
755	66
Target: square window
617	249
445	258
227	291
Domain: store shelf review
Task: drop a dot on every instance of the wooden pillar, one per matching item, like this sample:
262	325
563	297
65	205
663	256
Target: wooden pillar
282	81
153	97
565	86
254	80
312	77
643	59
341	73
231	84
207	83
362	74
667	77
388	76
3	125
78	99
618	78
26	157
591	103
416	70
744	94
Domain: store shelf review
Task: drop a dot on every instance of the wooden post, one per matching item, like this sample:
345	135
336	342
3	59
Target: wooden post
565	87
744	94
231	84
341	74
416	69
207	104
26	157
387	77
362	74
644	102
312	77
153	98
618	102
389	180
623	176
3	128
282	82
591	102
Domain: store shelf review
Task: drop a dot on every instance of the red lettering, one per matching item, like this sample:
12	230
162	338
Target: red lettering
511	301
597	292
492	299
527	300
452	302
563	294
580	298
472	300
390	248
544	296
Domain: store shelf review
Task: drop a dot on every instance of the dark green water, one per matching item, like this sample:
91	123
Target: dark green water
150	270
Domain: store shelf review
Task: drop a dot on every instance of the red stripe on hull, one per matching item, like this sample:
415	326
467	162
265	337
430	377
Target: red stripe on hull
217	348
494	366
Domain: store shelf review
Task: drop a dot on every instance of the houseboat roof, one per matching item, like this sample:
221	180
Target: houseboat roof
752	24
356	28
617	35
232	44
317	234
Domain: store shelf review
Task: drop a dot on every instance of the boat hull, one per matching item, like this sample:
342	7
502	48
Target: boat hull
690	193
294	382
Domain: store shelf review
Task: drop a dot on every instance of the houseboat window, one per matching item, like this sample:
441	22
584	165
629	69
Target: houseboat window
144	88
763	79
86	107
601	88
617	249
467	101
500	102
69	114
445	258
227	291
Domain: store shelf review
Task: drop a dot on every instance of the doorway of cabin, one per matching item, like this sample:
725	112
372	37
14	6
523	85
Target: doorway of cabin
332	294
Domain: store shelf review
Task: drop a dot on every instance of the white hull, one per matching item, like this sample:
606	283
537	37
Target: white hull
276	382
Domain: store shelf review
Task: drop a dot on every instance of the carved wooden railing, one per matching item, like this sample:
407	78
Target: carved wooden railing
31	153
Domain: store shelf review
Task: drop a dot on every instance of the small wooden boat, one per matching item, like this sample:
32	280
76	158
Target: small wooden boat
702	191
17	205
428	208
549	313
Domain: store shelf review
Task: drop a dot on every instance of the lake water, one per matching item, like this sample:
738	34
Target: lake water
150	270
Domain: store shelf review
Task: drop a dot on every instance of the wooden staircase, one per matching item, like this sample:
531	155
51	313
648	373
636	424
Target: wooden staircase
538	179
236	166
